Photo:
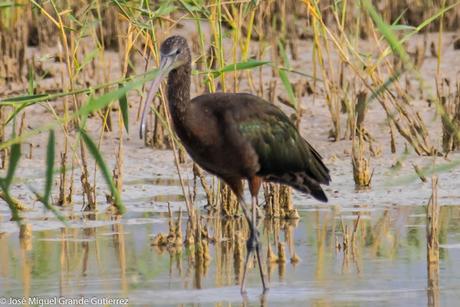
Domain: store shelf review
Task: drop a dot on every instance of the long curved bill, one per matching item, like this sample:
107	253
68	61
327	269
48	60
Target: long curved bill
165	64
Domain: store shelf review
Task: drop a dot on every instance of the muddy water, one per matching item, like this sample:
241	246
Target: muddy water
102	257
99	256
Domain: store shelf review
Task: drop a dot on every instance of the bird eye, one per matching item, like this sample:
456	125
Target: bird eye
178	51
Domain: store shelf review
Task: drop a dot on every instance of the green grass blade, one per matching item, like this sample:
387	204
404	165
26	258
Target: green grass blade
10	201
31	80
104	169
50	155
400	16
85	110
387	32
429	20
102	101
399	27
50	207
288	87
9	4
385	86
194	8
15	155
28	100
123	101
89	57
164	10
284	76
56	213
250	64
16	112
5	183
284	55
22	99
426	171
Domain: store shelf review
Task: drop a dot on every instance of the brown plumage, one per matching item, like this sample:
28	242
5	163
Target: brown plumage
237	136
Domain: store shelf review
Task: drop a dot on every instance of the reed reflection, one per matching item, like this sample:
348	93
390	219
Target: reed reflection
25	239
432	237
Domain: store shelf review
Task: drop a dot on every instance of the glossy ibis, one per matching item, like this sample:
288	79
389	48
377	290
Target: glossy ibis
237	136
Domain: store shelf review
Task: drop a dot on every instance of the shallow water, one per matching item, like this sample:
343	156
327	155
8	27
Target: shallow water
101	257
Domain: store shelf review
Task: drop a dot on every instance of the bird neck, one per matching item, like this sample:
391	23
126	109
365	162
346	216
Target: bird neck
179	90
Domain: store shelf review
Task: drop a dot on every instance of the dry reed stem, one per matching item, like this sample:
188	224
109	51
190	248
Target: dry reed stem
268	19
409	126
278	202
197	172
189	236
13	44
272	204
228	201
361	165
450	99
173	240
88	190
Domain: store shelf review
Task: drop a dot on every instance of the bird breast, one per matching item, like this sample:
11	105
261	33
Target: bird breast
215	144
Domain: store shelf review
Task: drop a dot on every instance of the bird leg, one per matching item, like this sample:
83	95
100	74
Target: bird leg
248	246
252	244
257	243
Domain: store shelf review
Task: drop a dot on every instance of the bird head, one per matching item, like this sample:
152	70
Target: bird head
174	52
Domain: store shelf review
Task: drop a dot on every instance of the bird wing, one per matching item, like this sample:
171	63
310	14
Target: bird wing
283	155
259	138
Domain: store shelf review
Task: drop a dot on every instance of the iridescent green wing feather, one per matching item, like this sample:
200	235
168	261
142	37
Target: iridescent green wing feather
284	156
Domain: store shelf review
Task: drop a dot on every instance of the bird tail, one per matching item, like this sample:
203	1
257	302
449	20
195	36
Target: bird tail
319	171
301	182
308	180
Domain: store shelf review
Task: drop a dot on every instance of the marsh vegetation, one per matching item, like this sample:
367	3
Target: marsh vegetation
373	85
